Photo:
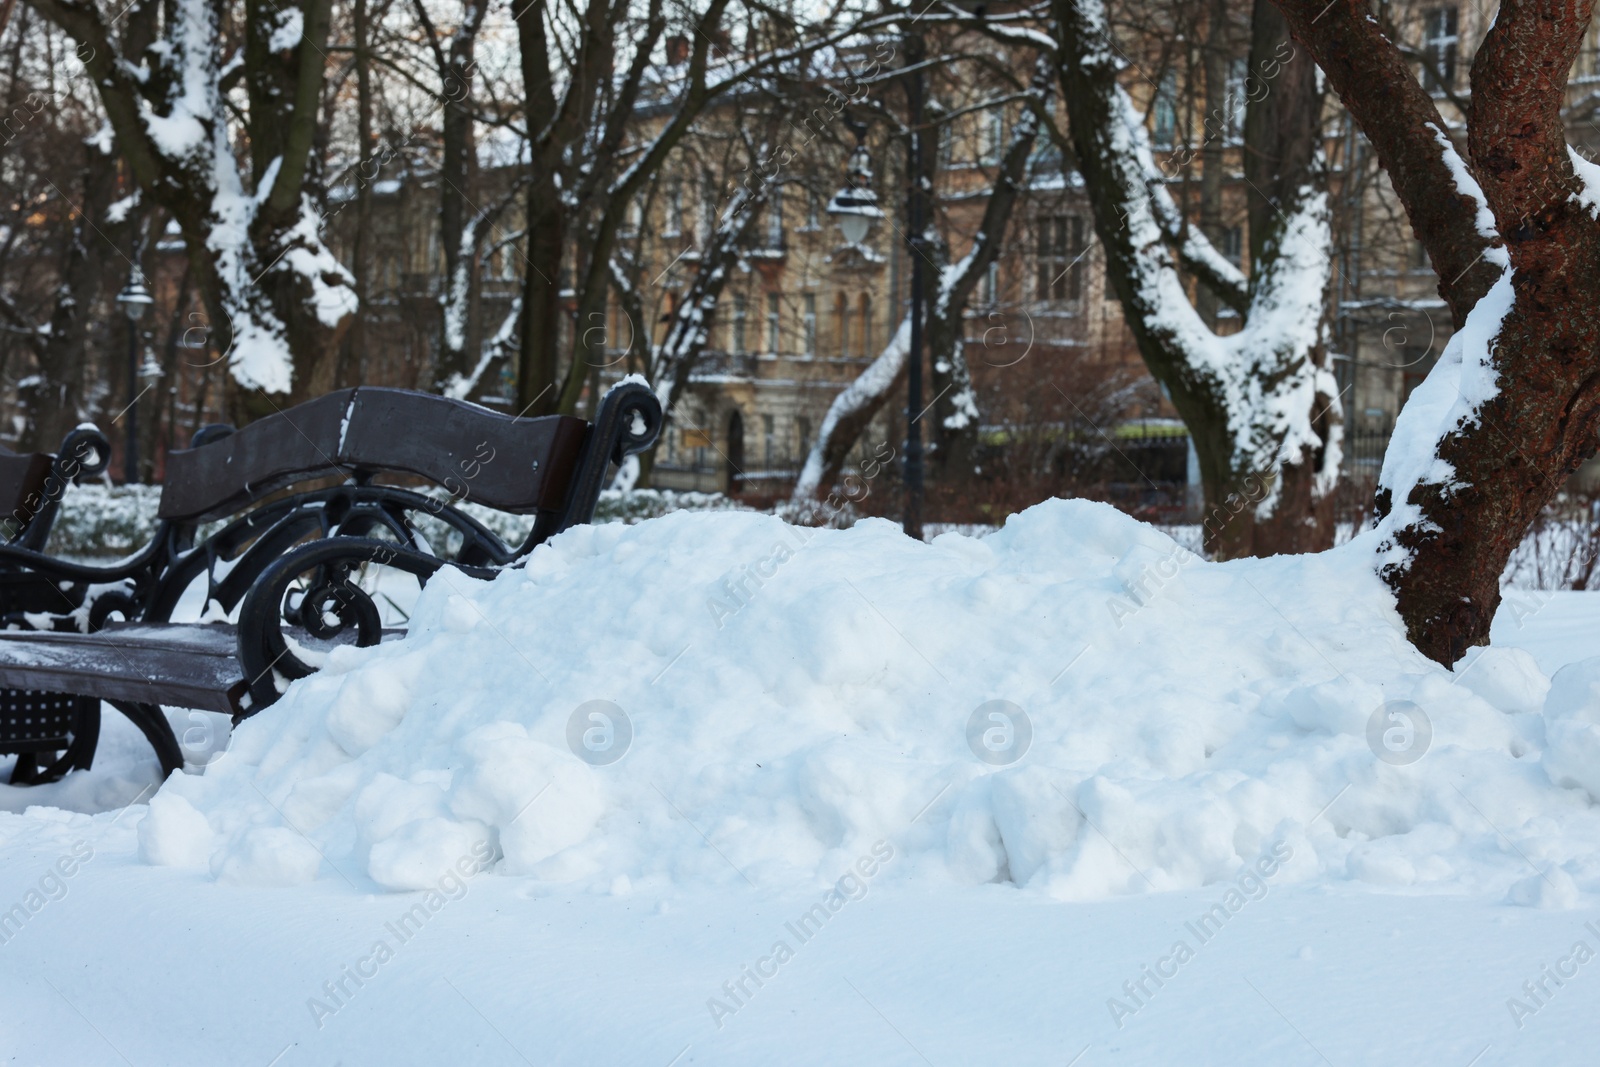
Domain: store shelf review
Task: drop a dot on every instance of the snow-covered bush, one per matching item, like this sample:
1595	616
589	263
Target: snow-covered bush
105	520
114	520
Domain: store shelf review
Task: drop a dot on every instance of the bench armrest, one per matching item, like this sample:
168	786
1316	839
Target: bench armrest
628	423
330	605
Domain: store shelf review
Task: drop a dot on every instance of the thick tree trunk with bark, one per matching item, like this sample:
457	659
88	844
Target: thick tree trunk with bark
304	287
1513	406
539	364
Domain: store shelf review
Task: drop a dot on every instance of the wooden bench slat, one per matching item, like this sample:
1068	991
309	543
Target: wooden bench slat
184	665
514	464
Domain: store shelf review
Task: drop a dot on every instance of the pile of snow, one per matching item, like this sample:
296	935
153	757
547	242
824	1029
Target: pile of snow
754	701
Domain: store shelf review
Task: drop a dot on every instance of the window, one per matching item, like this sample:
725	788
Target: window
810	304
813	211
991	285
1439	41
772	323
1238	75
1165	111
1059	270
739	316
675	208
775	219
1233	245
803	424
665	325
866	326
991	134
697	441
708	215
841	311
769	441
1419	256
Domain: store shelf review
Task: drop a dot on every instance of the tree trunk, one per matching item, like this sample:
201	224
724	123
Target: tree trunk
352	352
1219	110
55	402
1513	406
1282	159
538	361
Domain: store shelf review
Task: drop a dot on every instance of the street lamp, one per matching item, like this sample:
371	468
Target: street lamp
916	52
855	206
134	300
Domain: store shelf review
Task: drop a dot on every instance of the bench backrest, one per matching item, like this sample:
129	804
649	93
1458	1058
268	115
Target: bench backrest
32	483
518	465
22	483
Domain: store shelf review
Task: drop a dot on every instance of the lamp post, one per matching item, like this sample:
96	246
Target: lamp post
134	300
915	215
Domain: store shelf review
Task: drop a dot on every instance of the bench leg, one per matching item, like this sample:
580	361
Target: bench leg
153	724
78	755
26	770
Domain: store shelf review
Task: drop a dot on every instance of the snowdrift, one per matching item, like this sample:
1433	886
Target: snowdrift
1073	704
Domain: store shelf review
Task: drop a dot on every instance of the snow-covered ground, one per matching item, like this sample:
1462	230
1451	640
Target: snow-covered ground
710	789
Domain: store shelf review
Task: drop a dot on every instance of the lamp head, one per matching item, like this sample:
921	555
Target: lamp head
135	300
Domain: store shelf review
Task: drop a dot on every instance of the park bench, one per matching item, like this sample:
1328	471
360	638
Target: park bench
287	558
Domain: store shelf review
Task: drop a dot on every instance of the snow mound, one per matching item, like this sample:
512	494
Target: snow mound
1073	703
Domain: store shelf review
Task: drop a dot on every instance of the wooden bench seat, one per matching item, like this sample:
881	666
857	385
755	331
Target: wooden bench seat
188	665
191	666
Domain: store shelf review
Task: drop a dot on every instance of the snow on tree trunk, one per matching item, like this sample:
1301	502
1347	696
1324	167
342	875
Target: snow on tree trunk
851	412
670	364
1261	407
502	346
277	297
